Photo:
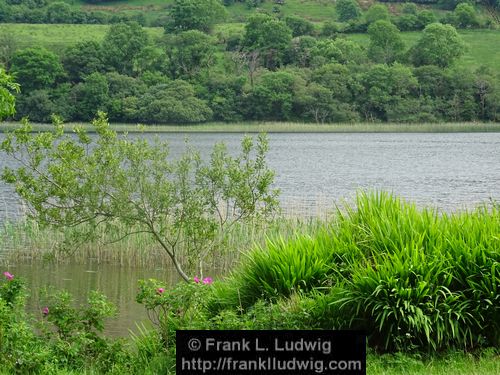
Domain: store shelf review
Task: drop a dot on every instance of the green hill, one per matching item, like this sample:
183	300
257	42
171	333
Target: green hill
56	37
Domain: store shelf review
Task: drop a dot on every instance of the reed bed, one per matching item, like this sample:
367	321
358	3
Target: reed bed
24	241
288	127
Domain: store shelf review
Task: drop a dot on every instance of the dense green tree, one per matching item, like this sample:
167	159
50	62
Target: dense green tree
82	59
299	26
36	105
409	8
269	36
407	22
460	103
318	104
272	97
425	17
7	90
347	10
329	29
91	96
199	15
432	80
36	68
170	103
384	87
338	79
465	15
122	44
121	89
189	52
61	97
59	12
439	45
377	12
386	44
343	51
224	94
301	51
151	59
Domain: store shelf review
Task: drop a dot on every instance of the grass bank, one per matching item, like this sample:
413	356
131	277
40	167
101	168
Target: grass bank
286	127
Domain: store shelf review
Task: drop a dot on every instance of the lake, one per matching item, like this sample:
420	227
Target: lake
450	171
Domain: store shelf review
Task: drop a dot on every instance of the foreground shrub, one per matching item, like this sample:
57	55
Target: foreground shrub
67	338
413	279
428	280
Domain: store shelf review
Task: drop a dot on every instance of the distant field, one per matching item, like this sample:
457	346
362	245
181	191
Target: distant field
483	44
314	10
58	37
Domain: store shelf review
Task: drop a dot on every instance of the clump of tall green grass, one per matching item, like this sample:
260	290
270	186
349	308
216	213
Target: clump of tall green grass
411	278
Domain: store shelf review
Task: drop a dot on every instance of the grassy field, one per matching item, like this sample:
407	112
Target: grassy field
314	10
58	37
289	127
480	45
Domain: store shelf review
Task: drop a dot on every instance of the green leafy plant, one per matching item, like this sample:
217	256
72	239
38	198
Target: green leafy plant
7	90
187	206
174	308
74	332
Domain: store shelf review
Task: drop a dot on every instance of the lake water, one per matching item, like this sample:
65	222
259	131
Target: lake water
313	171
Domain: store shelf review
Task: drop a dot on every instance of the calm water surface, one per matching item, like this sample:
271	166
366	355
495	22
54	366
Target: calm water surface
313	171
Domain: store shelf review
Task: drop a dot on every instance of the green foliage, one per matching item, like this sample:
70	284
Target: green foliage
386	45
199	15
82	59
413	279
76	342
173	103
299	26
347	10
269	36
122	44
176	308
272	96
384	87
465	15
377	12
36	68
7	89
67	338
133	183
91	96
439	45
279	269
189	52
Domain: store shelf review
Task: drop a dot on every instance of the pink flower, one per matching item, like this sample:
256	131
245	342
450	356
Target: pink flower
45	311
196	279
208	280
160	290
8	275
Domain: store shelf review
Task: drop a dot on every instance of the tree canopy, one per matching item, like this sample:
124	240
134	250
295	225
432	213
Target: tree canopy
7	90
195	15
439	45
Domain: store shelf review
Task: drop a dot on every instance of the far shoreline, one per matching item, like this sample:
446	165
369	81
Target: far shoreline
282	127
